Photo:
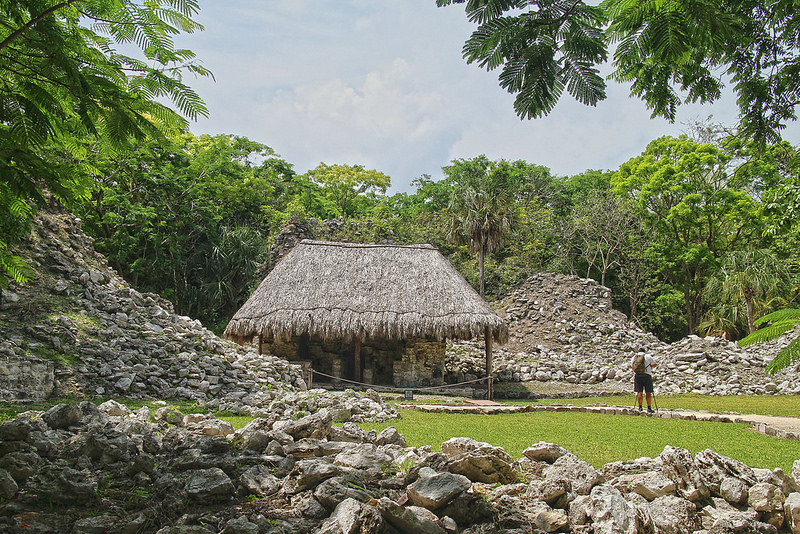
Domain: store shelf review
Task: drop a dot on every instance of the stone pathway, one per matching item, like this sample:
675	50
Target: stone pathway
781	427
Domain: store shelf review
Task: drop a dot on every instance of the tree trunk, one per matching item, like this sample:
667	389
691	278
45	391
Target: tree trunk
481	257
750	315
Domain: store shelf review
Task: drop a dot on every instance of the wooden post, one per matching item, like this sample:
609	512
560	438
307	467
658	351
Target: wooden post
260	343
488	343
357	358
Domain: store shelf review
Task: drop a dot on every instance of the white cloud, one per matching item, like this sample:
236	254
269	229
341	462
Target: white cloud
383	84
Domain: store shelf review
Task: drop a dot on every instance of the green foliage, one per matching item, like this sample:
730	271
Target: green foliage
343	186
480	206
13	267
751	277
189	219
544	48
66	91
689	195
670	52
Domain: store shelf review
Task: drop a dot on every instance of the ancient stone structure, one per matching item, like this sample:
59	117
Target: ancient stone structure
565	338
401	363
26	378
79	329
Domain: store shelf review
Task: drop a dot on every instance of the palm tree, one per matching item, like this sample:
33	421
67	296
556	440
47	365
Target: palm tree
750	276
480	210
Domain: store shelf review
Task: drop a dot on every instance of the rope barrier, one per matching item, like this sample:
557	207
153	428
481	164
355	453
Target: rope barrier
375	386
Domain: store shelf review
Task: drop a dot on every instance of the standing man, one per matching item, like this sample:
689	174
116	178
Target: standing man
642	365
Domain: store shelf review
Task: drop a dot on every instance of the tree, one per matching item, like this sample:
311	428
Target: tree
480	206
688	194
669	51
344	184
748	276
66	91
602	225
188	217
544	48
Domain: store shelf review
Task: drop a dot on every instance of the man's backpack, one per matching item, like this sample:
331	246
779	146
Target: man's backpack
639	364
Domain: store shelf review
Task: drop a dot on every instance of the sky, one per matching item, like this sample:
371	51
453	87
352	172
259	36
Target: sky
382	84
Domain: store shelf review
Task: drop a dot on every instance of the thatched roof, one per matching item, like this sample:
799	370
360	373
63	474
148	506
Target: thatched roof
337	290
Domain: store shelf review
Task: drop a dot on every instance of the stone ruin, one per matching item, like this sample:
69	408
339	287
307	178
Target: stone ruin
566	339
90	469
401	363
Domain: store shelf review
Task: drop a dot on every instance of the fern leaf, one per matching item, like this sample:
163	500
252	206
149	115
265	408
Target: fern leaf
785	358
769	333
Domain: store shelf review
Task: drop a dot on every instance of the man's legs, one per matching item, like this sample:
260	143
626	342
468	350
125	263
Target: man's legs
648	388
649	396
639	399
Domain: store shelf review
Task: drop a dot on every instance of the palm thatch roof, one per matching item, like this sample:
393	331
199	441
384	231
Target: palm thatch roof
336	290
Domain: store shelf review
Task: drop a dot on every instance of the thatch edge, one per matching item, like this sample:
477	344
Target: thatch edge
339	323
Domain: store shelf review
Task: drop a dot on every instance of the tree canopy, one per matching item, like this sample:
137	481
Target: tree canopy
67	91
670	52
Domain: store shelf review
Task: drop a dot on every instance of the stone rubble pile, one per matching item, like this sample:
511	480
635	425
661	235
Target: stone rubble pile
563	329
90	333
80	329
88	469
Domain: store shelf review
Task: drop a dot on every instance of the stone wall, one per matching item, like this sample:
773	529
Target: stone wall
422	364
25	378
399	363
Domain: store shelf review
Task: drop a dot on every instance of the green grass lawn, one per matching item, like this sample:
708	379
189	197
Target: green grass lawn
597	438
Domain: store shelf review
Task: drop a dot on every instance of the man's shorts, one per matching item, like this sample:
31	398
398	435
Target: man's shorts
642	382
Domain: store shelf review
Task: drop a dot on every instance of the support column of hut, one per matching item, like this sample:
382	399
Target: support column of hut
488	344
357	360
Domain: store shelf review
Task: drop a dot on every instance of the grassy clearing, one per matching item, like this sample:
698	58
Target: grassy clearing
597	438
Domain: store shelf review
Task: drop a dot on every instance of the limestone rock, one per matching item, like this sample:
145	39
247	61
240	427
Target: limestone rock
764	497
405	520
544	452
483	465
679	466
579	475
791	507
433	490
206	486
733	490
62	416
673	515
650	485
610	513
714	468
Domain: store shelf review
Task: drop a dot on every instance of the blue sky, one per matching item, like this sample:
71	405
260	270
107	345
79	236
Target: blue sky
381	83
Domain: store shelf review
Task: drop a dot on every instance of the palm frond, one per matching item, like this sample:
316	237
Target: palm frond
785	358
768	333
779	316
